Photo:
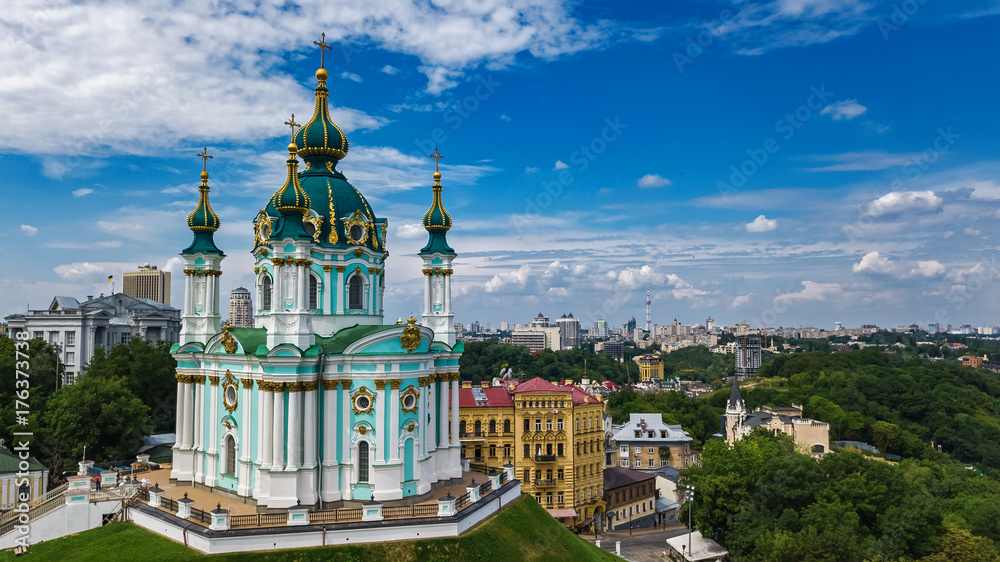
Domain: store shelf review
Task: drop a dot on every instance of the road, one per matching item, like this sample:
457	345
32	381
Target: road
644	545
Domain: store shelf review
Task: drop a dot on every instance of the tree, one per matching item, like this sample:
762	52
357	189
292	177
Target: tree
959	545
99	413
148	370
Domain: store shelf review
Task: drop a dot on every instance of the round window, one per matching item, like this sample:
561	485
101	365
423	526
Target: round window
362	403
357	232
231	394
309	227
409	402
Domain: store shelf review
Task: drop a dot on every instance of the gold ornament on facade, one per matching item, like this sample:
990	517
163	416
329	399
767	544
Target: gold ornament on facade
341	268
362	401
246	383
330	384
256	271
295	387
409	400
310	386
380	384
317	222
394	384
327	268
410	339
346	384
227	424
411	427
358	252
198	379
213	381
357	219
228	341
362	429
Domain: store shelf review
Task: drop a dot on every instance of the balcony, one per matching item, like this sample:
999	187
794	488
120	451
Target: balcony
545	458
545	483
471	437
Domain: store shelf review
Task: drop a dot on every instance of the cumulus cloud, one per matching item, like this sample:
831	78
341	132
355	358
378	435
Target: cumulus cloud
930	268
898	202
873	262
530	170
811	291
761	224
350	76
740	300
29	230
560	165
504	117
411	231
82	191
844	109
519	277
653	180
389	69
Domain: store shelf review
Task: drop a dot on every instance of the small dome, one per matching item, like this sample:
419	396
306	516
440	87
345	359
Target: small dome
290	197
203	218
321	136
437	218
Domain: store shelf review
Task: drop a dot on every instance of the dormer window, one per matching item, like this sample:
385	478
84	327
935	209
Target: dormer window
638	434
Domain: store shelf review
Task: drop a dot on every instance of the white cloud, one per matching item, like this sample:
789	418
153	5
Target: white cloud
518	277
532	170
92	272
844	109
930	268
82	191
961	275
560	165
866	161
605	191
812	291
972	231
29	230
740	300
905	201
129	229
350	76
761	224
389	69
411	231
504	117
873	262
137	62
653	180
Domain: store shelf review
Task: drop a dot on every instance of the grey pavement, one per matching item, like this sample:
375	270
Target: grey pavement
643	545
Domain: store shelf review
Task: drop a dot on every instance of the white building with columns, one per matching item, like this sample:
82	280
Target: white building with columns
320	402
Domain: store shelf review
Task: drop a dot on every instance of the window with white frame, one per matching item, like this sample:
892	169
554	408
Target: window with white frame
70	358
70	338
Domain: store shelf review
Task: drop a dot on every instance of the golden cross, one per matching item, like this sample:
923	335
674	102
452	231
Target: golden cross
291	123
204	156
436	156
322	47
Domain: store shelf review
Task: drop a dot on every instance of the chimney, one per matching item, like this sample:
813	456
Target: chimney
466	384
90	297
484	384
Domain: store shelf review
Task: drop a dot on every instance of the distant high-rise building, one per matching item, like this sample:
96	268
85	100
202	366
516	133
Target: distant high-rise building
710	324
540	321
504	326
650	366
630	325
614	348
475	328
148	283
748	356
459	332
569	331
600	329
240	308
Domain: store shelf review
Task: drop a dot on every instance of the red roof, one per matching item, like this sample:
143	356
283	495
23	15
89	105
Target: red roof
539	384
495	396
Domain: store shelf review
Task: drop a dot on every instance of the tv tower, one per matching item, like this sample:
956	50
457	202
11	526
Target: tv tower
649	318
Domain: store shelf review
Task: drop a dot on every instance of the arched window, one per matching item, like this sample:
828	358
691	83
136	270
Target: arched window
230	455
479	428
461	427
313	293
363	461
506	426
356	293
493	426
265	293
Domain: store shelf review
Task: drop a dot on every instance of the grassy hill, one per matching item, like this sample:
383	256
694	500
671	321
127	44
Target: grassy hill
523	531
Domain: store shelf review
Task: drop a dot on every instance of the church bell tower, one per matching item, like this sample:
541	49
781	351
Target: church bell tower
202	268
437	258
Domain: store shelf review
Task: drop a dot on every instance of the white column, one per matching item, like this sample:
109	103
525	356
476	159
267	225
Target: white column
302	299
380	410
278	428
216	291
447	294
278	291
345	428
442	440
430	412
427	294
247	401
393	406
210	293
330	423
454	411
188	294
179	424
326	305
264	437
214	407
309	423
341	293
294	426
199	413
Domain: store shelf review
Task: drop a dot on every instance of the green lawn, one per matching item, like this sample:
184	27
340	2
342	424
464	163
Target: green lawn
522	531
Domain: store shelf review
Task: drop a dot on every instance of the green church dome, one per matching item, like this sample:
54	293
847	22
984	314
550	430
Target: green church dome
290	197
203	218
321	136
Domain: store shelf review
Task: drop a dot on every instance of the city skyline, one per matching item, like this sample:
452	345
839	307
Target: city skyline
788	162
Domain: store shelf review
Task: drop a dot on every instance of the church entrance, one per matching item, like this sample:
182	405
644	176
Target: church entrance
408	460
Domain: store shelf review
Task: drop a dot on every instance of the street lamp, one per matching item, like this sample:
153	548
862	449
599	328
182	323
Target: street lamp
690	498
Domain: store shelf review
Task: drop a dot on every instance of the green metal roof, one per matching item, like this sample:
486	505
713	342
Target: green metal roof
9	462
337	343
250	338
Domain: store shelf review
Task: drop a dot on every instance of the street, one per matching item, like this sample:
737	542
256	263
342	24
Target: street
644	545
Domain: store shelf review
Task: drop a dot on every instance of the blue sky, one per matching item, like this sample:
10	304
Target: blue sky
787	162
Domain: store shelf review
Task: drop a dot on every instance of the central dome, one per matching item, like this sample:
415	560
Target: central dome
321	136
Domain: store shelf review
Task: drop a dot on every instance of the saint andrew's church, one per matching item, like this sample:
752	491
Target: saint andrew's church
320	402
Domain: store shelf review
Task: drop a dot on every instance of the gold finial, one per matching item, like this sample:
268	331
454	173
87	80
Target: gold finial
437	175
436	156
204	156
322	47
292	124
